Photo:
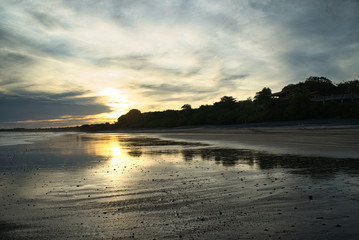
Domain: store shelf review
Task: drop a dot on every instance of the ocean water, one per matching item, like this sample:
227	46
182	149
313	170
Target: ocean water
121	186
16	138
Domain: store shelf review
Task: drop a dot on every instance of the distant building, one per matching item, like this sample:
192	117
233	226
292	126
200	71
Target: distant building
280	94
337	97
317	97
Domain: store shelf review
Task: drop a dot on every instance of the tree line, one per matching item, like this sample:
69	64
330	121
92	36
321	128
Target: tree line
295	102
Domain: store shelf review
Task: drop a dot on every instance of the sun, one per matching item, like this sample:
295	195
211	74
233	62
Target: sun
117	101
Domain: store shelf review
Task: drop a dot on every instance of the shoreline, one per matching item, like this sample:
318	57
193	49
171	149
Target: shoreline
330	138
309	123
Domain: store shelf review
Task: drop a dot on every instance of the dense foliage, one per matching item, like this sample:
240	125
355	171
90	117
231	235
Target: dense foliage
295	102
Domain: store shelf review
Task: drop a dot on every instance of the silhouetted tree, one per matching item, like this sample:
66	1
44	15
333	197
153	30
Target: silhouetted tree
130	119
350	87
228	100
186	107
320	85
263	96
296	103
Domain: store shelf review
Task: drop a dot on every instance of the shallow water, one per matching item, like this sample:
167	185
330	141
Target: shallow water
114	186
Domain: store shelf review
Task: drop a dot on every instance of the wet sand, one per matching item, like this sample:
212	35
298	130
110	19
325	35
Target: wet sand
202	184
335	141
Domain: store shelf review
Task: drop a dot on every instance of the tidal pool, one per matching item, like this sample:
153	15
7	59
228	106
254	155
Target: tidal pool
120	186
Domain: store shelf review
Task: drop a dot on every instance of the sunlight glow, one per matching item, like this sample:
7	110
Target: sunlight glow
116	100
117	155
116	162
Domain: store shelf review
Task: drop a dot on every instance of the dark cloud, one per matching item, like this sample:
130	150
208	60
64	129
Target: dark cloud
127	12
13	64
313	63
17	108
178	94
330	21
38	43
71	97
15	58
170	89
317	35
8	59
48	21
73	94
9	38
144	63
13	68
227	78
136	62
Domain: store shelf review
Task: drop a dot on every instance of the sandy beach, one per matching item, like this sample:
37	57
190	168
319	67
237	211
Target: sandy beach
189	183
336	142
325	138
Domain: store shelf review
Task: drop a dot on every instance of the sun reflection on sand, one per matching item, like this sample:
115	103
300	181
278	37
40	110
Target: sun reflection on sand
111	149
118	165
117	155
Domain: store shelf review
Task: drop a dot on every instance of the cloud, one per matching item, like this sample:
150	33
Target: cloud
163	53
48	21
22	108
11	60
229	78
314	37
161	89
22	30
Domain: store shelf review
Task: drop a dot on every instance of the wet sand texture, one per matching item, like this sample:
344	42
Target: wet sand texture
117	186
334	141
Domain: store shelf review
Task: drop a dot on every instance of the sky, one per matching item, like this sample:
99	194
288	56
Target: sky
67	62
